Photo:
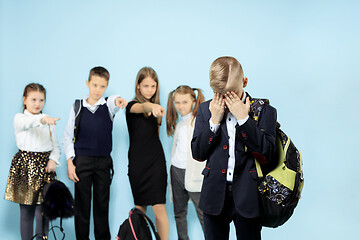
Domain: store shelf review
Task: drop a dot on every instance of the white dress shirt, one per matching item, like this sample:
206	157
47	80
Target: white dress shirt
179	159
230	126
67	140
31	135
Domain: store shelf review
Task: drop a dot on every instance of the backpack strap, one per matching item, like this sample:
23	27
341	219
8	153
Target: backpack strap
256	105
78	107
258	169
131	225
149	221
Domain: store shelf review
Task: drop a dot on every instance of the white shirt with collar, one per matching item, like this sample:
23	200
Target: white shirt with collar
180	157
67	140
230	126
31	135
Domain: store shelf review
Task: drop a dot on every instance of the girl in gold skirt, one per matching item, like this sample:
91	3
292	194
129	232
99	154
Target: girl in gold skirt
36	161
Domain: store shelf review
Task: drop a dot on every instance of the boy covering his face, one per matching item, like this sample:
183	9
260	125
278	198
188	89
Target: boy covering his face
229	139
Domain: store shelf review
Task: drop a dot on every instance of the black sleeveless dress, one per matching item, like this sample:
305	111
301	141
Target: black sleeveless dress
147	165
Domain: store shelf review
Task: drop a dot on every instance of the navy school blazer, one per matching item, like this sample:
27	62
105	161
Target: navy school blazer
259	140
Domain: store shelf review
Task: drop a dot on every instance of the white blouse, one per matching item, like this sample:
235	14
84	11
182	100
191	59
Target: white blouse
32	135
180	156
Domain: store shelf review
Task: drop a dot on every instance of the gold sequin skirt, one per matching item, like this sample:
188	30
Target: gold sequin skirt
27	177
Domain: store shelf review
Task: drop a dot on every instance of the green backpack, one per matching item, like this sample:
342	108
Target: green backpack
280	188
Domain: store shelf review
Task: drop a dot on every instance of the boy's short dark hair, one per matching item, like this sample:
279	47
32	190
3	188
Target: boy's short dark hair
220	71
99	71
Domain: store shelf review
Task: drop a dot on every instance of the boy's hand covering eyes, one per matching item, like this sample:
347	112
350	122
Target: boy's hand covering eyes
236	106
217	108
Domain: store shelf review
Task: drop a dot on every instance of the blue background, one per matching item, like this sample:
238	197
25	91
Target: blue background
302	55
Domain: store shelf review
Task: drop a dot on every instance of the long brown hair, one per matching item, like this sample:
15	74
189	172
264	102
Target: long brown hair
33	87
142	74
172	115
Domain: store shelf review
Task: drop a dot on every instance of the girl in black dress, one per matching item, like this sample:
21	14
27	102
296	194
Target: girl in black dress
147	166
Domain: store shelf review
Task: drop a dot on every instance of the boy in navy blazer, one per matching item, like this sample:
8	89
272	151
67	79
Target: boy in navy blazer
229	140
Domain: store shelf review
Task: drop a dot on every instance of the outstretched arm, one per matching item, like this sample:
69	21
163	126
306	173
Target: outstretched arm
24	122
148	107
47	120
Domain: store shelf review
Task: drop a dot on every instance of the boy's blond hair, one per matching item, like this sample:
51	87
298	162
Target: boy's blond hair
220	71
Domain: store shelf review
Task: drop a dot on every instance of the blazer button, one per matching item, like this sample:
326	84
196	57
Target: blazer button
244	135
223	171
210	139
225	147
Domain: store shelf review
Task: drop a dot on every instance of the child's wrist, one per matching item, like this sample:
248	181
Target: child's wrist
43	121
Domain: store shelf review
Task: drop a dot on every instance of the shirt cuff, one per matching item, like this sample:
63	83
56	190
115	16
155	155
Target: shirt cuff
242	121
70	155
214	127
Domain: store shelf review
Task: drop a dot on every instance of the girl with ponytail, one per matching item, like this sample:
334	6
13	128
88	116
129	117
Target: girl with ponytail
185	172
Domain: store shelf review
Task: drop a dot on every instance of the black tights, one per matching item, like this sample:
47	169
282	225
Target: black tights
27	214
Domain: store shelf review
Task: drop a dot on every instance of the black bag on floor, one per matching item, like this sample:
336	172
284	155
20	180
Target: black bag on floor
136	227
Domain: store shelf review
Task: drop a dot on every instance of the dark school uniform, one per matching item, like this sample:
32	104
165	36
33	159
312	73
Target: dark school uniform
147	166
223	201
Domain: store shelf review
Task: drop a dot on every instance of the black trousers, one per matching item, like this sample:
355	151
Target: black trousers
93	172
218	227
